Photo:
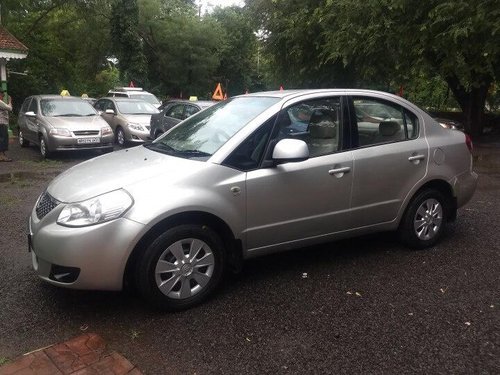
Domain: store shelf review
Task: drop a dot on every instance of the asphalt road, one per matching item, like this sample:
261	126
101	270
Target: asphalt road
360	306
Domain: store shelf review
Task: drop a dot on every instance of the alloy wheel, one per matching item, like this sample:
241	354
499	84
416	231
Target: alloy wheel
428	219
184	268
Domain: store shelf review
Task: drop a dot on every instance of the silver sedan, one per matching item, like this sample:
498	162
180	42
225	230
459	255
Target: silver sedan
249	176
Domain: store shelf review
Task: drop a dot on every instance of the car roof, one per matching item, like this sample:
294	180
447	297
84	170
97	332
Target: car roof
53	96
289	94
122	99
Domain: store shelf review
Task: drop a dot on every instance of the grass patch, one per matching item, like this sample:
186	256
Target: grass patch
44	163
3	361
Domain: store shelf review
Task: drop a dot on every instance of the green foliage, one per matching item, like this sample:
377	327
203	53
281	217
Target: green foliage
127	44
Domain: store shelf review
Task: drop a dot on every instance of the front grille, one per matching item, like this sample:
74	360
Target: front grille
45	204
86	132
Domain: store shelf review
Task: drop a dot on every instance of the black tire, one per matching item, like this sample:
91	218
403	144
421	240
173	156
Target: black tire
23	142
120	137
181	289
44	148
425	219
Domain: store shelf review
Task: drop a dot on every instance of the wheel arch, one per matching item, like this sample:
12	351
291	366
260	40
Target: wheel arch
232	246
444	188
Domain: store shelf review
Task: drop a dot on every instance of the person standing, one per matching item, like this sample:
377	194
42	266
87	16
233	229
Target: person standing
5	108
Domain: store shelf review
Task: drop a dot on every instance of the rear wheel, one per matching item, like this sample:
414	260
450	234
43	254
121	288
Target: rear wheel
425	219
181	267
22	141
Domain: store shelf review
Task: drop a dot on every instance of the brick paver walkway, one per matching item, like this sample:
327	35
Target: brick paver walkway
84	355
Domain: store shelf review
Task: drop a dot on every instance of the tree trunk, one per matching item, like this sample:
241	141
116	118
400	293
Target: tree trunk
472	102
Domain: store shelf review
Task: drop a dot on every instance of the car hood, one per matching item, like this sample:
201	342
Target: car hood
117	170
138	119
77	123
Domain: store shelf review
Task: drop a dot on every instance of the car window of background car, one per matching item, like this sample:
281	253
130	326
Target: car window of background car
190	110
176	111
33	106
207	131
63	107
146	97
135	108
25	105
379	122
316	122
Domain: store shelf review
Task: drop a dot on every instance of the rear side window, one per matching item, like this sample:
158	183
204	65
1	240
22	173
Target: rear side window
176	111
379	121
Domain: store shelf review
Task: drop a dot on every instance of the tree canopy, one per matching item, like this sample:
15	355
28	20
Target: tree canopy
438	52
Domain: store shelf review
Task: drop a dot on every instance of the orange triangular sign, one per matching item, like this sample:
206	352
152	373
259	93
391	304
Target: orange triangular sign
225	96
131	84
281	88
218	93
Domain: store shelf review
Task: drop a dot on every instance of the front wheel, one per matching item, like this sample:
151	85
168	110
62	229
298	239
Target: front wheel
23	142
424	219
181	267
120	137
44	149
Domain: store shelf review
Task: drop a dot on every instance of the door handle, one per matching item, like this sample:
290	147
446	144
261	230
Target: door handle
341	170
416	157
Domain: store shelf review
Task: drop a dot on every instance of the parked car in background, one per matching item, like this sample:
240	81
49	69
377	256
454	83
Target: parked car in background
174	112
240	184
134	93
60	123
129	118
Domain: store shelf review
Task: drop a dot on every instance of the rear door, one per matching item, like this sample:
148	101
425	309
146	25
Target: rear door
390	156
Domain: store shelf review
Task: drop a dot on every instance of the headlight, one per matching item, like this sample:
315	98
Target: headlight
96	210
106	130
138	127
60	132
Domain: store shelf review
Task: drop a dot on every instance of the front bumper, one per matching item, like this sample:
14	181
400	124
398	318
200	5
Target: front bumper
92	257
57	143
134	135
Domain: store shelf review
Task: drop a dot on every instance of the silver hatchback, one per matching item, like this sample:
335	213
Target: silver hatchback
249	176
61	123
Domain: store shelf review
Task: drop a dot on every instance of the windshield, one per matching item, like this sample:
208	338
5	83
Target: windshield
150	98
202	134
65	107
135	108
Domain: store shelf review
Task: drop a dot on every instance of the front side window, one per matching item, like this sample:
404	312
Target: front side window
64	107
317	122
25	106
201	135
379	121
176	111
33	107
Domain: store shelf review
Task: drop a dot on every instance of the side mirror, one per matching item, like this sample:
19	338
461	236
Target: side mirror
290	150
30	114
109	111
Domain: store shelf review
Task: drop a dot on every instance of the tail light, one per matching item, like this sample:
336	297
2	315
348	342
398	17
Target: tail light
468	142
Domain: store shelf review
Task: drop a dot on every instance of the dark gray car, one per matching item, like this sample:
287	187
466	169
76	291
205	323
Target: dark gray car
174	112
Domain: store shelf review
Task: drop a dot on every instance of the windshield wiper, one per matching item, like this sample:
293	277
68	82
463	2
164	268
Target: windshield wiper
161	147
193	152
68	115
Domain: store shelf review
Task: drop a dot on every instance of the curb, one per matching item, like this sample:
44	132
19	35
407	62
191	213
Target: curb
85	354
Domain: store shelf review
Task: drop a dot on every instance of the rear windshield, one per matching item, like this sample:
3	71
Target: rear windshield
150	98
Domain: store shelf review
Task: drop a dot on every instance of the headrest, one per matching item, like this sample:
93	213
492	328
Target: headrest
322	124
388	128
